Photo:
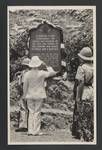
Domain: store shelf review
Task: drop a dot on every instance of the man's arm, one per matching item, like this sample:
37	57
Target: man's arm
80	83
25	87
50	72
75	88
79	90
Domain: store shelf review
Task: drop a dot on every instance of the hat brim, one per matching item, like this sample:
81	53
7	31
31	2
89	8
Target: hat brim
35	65
25	64
85	58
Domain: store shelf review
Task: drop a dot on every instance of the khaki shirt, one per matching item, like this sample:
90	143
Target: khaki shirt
84	74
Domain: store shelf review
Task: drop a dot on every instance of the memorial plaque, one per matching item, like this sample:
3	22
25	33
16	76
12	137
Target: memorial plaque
45	42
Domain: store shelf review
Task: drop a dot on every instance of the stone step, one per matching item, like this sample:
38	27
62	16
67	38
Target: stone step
56	111
45	110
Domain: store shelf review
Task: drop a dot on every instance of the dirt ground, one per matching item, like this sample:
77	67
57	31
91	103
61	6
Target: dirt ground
49	137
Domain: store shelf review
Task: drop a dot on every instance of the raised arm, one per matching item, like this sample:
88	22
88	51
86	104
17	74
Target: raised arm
51	72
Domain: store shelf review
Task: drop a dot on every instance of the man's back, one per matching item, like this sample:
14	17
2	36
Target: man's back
34	81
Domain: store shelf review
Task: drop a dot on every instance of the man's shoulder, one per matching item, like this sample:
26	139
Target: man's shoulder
87	66
27	74
42	72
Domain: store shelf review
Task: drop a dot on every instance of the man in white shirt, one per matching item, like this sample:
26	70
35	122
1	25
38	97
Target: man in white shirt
34	92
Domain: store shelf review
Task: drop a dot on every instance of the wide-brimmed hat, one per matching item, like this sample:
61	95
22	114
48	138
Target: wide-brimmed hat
86	54
25	61
35	62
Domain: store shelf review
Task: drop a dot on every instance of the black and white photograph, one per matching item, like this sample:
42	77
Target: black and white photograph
51	75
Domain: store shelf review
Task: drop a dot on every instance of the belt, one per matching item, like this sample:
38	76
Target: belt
88	84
